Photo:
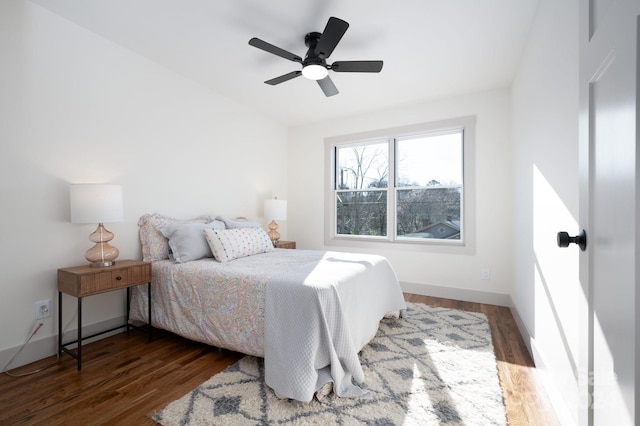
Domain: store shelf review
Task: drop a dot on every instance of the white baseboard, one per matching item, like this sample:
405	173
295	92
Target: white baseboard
524	331
465	295
550	388
38	349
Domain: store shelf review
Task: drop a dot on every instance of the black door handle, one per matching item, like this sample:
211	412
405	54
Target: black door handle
581	240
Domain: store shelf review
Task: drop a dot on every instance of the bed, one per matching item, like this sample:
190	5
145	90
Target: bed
308	313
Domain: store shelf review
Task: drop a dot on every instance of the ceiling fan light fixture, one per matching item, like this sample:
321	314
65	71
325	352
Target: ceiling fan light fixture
315	72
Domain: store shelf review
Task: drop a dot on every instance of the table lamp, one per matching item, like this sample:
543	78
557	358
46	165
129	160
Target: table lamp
275	210
97	203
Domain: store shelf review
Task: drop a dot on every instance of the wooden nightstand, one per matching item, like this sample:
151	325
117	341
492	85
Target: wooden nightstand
82	281
285	244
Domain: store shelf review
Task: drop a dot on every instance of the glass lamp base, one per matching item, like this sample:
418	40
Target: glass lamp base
273	232
103	253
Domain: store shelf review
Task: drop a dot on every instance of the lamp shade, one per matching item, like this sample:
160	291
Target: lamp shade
96	203
275	209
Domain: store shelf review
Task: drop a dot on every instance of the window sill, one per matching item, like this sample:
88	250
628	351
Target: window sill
445	247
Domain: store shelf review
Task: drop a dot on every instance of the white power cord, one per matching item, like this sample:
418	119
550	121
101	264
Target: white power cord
38	325
6	367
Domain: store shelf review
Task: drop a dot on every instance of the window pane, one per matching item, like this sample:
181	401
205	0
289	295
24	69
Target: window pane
361	213
363	166
430	160
429	213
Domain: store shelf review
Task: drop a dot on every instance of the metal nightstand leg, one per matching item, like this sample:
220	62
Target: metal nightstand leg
79	349
59	324
149	305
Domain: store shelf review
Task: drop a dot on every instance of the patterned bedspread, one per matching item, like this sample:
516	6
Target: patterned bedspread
223	304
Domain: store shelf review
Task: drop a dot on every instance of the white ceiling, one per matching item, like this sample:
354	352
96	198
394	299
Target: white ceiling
430	48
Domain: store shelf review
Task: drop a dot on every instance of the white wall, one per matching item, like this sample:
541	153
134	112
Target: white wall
438	274
547	291
77	108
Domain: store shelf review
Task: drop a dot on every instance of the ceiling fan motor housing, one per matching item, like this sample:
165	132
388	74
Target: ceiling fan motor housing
312	57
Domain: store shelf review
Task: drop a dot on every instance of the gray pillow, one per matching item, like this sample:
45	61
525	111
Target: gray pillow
187	241
237	223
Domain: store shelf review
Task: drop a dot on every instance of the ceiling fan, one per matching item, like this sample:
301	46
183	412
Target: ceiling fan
314	64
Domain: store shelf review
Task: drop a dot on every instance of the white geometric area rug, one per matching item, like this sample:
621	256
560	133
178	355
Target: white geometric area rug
437	366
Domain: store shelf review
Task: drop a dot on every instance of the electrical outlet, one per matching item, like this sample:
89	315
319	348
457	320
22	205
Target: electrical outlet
43	309
486	274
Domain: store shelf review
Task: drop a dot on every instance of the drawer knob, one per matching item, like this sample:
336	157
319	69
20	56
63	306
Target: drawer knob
118	278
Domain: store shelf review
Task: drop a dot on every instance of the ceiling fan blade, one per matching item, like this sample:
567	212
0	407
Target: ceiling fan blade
268	47
283	78
328	87
331	36
357	66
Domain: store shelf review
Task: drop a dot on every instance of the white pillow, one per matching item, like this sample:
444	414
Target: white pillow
187	240
229	244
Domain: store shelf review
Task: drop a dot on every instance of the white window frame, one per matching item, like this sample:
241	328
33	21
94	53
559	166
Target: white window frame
466	244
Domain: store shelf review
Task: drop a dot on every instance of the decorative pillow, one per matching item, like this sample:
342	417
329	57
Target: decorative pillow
238	223
187	240
154	245
229	244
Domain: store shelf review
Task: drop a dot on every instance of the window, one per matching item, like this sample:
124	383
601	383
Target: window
410	186
362	175
429	185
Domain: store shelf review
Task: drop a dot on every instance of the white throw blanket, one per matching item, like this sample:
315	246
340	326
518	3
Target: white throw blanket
314	330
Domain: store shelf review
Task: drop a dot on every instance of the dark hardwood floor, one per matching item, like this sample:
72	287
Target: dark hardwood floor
125	379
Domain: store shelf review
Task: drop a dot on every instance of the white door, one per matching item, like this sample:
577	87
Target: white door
608	195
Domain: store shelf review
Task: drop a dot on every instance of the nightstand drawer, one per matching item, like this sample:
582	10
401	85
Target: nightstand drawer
108	280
